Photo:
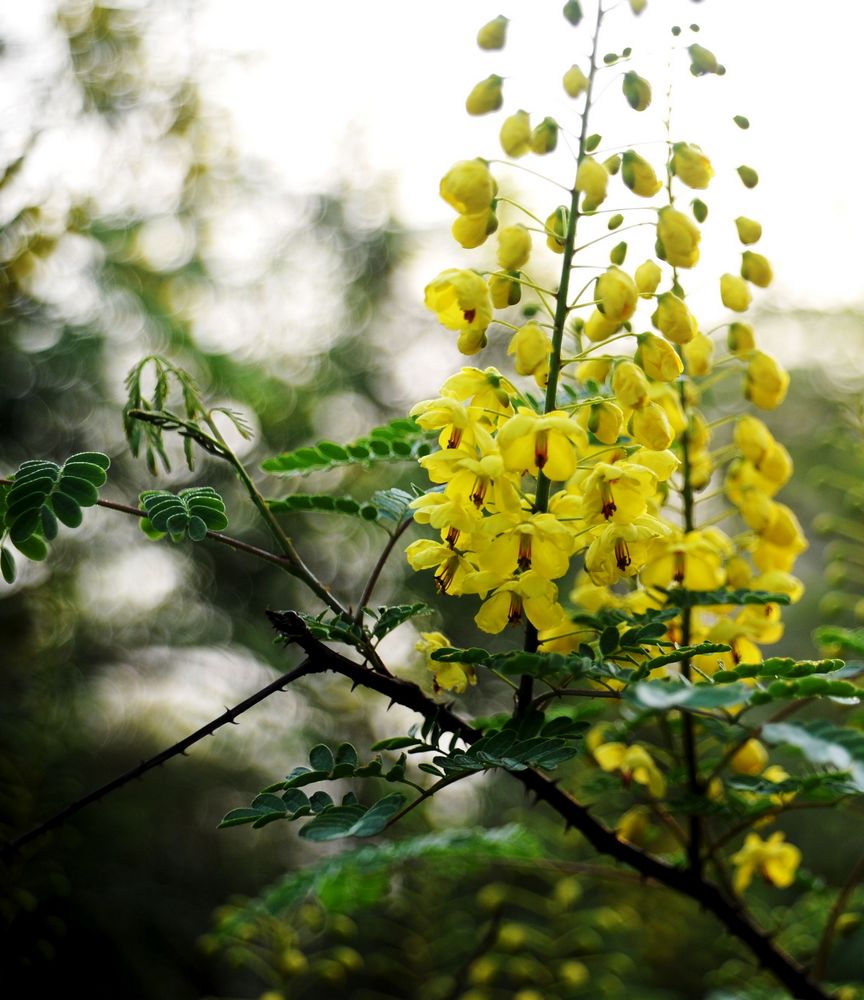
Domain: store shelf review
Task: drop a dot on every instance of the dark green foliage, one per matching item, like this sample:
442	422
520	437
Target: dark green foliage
393	617
44	495
661	695
680	598
191	513
400	440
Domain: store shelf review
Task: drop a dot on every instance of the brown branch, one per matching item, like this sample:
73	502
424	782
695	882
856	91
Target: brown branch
12	847
687	882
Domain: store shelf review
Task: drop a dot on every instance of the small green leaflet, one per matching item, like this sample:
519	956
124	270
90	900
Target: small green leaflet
191	513
397	441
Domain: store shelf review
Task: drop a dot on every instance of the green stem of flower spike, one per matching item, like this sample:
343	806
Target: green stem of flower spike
541	501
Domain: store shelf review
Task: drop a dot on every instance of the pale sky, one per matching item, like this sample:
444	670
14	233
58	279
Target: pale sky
313	87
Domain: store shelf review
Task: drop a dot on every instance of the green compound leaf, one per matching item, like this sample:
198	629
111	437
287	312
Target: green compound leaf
397	441
822	744
190	513
333	628
392	617
354	820
660	696
680	598
324	503
43	493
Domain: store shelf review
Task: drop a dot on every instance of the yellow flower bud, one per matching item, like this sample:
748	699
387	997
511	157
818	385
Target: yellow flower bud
493	35
734	292
599	327
471	231
514	247
766	382
575	81
591	179
630	385
741	339
515	135
471	341
637	90
468	187
532	348
638	175
679	237
486	96
634	825
748	230
604	419
556	229
595	370
751	758
544	138
637	6
776	464
647	278
505	289
616	295
691	165
756	269
674	320
658	358
650	427
702	60
752	438
698	355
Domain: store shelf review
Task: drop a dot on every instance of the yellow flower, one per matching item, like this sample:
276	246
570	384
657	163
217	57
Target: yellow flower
505	289
493	34
749	231
575	81
618	550
556	229
448	676
741	339
658	358
530	442
599	327
468	186
470	231
639	175
750	758
691	165
486	96
532	348
604	419
515	135
634	763
650	427
698	354
766	382
461	301
544	137
773	859
756	269
673	319
616	294
647	278
592	179
734	292
630	385
451	568
679	237
514	247
529	596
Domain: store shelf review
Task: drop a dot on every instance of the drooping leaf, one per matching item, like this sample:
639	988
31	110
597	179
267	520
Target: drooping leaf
822	743
392	617
662	695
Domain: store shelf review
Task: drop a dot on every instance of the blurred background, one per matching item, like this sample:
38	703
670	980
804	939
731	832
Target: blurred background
254	194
